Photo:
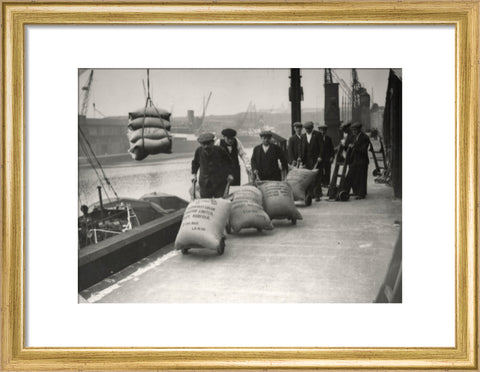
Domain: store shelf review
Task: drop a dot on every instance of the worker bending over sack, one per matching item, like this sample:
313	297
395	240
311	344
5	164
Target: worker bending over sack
215	167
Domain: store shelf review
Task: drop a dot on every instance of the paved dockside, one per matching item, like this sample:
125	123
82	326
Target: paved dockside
339	252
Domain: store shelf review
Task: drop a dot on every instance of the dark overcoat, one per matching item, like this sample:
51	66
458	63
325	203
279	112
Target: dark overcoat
311	151
214	165
358	169
294	147
234	158
266	163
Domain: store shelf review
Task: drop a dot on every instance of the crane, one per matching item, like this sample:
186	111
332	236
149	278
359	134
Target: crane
95	110
346	89
205	105
242	121
356	88
347	95
86	95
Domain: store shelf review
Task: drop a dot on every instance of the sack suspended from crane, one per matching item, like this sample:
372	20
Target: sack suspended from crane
148	122
150	111
145	146
247	210
147	132
203	224
299	180
278	200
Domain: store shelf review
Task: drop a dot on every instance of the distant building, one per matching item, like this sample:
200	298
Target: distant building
107	136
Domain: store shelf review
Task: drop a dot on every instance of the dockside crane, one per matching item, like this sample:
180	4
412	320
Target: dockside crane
95	110
356	90
244	118
86	95
347	96
205	105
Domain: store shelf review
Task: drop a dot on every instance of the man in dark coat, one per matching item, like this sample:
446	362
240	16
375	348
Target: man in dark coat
233	147
294	145
311	155
327	155
265	159
215	167
358	170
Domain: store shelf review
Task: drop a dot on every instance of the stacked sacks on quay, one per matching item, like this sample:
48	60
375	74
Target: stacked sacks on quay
148	132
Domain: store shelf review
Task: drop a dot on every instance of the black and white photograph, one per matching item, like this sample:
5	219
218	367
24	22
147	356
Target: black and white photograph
240	185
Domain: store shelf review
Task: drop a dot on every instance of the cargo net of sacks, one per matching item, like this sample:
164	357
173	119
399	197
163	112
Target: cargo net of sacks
247	210
300	180
148	133
278	201
203	225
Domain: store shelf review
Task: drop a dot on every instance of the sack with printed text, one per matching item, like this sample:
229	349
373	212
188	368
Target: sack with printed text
203	225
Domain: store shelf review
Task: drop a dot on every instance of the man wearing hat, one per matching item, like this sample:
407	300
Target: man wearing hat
358	170
294	145
265	159
215	167
327	154
234	149
311	155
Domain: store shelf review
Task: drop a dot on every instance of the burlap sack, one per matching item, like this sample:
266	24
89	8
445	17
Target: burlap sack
150	112
247	210
299	179
203	224
278	200
144	147
148	132
248	193
148	122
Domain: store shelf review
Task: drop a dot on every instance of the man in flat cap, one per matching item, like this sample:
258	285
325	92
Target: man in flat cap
265	159
215	167
311	155
327	154
294	145
234	148
358	170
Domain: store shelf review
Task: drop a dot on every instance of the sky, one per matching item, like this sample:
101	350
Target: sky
115	92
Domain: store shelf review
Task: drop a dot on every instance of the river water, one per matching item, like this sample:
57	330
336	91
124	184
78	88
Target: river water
134	179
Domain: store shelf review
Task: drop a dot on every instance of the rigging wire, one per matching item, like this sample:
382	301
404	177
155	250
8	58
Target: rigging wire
98	164
90	161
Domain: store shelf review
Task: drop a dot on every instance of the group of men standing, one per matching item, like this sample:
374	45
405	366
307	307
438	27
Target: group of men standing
312	150
218	161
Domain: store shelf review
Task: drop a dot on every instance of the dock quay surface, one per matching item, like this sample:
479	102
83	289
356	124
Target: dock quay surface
338	253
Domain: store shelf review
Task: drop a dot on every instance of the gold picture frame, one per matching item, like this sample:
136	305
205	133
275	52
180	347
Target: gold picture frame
17	15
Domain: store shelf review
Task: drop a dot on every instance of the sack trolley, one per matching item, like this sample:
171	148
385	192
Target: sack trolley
379	156
335	189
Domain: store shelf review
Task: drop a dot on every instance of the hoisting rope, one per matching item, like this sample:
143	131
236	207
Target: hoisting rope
148	101
92	159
